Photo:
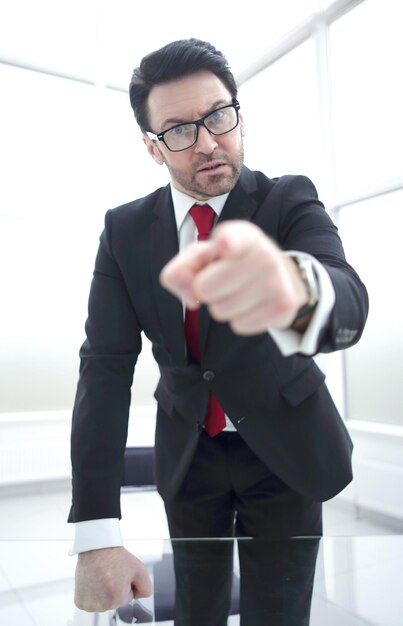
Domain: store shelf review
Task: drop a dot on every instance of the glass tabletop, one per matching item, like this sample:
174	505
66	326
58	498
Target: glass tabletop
331	581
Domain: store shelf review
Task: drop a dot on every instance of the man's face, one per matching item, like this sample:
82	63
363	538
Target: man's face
212	165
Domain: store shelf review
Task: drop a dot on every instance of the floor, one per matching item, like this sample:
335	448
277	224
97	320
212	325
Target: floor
36	594
41	515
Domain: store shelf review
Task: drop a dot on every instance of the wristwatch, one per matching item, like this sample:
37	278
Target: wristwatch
308	275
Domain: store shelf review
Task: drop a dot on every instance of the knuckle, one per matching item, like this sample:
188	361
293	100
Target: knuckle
237	327
218	312
112	597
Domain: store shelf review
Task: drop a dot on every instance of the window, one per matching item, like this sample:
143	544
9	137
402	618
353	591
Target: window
332	111
69	152
366	49
371	232
281	110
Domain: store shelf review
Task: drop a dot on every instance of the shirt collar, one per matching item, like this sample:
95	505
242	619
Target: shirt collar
182	203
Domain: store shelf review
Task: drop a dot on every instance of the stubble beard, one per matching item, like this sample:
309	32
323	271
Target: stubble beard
216	184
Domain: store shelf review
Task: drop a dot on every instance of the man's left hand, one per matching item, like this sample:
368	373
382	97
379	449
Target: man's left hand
242	276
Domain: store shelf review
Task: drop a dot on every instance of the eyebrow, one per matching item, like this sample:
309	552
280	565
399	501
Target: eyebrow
172	121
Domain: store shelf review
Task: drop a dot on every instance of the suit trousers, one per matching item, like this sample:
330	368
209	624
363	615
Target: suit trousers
228	492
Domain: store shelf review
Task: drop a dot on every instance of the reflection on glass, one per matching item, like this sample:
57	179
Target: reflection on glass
357	582
371	232
274	587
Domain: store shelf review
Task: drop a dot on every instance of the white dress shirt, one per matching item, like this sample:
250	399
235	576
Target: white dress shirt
105	533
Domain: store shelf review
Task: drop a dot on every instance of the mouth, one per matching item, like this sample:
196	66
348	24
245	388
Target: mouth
213	167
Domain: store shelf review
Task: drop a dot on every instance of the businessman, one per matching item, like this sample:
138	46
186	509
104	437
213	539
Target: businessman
237	279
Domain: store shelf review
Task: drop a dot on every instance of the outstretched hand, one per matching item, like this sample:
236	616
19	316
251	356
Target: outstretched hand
242	276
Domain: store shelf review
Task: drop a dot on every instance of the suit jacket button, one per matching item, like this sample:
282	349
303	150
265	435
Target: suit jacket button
208	376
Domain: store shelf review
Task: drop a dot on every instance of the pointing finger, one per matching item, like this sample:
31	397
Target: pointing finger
178	275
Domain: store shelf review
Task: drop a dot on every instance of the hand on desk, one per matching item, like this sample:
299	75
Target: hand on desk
241	275
109	578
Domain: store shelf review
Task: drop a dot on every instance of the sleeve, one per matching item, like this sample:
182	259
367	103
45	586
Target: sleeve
305	227
96	534
101	409
291	342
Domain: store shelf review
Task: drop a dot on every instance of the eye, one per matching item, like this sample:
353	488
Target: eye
179	131
216	116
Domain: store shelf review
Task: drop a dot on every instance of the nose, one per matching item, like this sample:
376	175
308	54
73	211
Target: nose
206	142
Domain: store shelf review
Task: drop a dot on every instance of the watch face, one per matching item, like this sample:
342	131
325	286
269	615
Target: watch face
308	275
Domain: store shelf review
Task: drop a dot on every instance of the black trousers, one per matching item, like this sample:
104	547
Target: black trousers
229	492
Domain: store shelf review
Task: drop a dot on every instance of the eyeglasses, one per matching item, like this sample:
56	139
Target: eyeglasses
184	136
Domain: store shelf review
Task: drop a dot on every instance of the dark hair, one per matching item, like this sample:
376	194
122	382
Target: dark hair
175	60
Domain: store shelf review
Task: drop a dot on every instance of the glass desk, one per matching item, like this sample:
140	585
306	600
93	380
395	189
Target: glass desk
357	581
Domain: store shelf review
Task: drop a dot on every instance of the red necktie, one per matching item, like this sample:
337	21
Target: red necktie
203	216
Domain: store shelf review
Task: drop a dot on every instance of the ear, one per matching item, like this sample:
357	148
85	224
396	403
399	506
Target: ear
242	125
153	149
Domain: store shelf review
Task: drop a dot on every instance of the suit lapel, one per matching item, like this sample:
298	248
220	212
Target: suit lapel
164	246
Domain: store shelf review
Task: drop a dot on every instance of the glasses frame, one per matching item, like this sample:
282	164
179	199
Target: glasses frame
200	122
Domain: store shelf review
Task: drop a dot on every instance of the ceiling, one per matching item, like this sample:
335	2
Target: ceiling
101	41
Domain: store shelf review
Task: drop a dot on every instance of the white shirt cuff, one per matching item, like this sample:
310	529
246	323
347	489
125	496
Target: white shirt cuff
96	534
290	341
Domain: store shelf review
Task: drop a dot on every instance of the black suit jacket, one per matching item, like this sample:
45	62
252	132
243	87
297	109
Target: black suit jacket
279	405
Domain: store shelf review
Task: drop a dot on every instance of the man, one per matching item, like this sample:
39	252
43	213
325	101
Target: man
233	321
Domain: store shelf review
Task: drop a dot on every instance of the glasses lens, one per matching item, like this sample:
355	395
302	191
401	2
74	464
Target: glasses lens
181	137
219	122
222	120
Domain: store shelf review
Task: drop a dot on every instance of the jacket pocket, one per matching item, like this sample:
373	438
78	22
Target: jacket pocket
302	386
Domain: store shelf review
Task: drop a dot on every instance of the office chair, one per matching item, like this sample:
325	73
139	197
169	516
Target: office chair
139	474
